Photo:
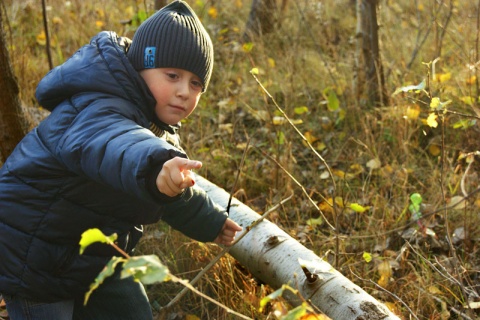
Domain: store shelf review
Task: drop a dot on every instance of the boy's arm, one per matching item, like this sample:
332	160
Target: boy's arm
195	215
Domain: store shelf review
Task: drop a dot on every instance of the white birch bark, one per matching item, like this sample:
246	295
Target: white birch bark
274	257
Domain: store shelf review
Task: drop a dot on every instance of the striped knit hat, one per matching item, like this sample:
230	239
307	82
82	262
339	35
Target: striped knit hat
173	37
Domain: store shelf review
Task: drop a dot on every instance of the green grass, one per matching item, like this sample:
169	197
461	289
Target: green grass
312	51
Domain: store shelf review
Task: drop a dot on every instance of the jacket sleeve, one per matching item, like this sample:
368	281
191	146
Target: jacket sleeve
106	143
195	215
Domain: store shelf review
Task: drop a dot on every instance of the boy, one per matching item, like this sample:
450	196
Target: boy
107	157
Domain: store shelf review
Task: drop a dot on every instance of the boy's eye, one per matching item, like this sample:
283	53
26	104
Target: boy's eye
172	75
197	84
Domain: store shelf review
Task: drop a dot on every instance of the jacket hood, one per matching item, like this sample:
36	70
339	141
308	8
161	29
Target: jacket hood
100	66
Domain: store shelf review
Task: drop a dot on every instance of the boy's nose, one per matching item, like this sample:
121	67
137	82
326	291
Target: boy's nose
183	89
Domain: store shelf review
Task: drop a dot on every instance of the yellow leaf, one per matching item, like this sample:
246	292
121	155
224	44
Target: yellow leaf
432	120
191	317
472	80
325	206
435	103
315	222
391	306
354	170
338	173
213	13
99	24
367	257
94	235
358	208
278	120
271	63
238	3
241	145
458	202
413	112
383	281
443	77
434	290
477	203
247	47
129	11
57	20
434	150
384	269
254	71
388	169
310	137
320	146
42	38
100	13
468	100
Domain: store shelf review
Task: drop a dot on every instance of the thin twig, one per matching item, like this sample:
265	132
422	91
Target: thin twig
47	34
301	187
224	252
191	287
303	138
238	175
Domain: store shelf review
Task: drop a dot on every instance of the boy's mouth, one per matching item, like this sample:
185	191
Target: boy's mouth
177	107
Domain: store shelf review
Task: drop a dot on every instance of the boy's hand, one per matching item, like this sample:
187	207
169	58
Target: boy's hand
175	176
228	232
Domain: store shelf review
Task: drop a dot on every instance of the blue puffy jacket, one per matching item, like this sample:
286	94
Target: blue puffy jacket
91	163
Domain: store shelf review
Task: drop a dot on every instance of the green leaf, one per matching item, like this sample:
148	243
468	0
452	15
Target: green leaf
301	110
332	100
95	235
247	47
297	312
315	222
281	138
414	208
107	271
464	124
416	198
147	269
420	87
274	295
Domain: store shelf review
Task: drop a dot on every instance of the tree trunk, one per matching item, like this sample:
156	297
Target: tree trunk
368	52
274	257
13	125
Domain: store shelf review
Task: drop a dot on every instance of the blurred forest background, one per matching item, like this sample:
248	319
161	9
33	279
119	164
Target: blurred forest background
352	119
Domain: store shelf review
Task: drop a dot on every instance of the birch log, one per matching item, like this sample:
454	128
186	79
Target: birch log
274	257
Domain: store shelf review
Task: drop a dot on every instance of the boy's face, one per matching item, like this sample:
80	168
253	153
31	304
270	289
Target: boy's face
176	91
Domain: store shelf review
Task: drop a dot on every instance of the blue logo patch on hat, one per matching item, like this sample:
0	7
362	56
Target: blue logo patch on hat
149	57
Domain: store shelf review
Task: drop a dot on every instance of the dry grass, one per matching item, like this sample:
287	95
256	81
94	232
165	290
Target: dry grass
312	51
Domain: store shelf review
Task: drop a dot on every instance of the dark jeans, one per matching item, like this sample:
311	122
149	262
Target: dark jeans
115	299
